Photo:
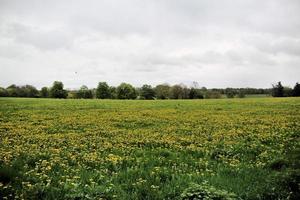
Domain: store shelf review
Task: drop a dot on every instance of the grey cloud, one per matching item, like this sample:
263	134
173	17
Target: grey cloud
286	46
39	38
216	42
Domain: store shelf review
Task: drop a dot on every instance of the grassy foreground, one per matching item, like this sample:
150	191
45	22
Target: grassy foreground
114	149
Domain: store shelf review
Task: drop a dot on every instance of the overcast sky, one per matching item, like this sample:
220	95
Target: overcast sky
228	43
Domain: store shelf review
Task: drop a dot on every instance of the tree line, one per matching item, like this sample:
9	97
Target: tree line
282	91
127	91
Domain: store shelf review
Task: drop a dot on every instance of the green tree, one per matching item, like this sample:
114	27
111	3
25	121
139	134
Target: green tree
84	93
230	93
296	90
126	91
13	90
241	94
176	92
185	92
162	91
3	92
57	90
213	94
113	92
29	91
147	92
44	93
277	90
102	91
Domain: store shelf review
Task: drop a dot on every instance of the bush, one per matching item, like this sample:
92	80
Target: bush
230	93
205	191
213	95
241	94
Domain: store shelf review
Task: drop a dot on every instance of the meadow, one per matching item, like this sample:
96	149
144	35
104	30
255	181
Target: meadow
162	149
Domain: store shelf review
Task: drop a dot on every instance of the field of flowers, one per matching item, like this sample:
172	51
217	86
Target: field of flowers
169	149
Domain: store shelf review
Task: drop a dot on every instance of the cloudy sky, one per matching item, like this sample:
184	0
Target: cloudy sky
229	43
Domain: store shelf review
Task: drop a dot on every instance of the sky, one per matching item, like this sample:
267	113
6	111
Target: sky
229	43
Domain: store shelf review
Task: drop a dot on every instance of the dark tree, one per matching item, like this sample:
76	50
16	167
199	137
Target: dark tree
296	90
57	90
126	91
147	92
287	92
195	94
277	90
102	91
44	93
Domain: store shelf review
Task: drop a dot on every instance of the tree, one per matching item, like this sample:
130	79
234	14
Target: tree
44	93
229	92
126	91
102	91
84	93
277	90
185	92
57	90
113	92
162	91
23	91
147	92
296	90
13	90
29	91
3	92
213	94
176	92
287	92
241	94
195	94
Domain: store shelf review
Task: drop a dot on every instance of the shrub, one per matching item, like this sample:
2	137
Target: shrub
205	191
210	94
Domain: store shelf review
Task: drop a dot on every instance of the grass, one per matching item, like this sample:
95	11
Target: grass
258	95
114	149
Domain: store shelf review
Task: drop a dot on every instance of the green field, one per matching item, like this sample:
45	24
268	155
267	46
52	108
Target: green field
134	149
